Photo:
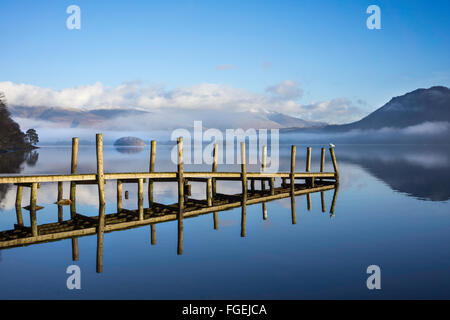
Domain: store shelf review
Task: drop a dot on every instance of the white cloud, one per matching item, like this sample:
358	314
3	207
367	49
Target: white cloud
205	96
287	89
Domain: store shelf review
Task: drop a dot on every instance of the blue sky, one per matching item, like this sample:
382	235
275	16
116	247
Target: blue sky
322	46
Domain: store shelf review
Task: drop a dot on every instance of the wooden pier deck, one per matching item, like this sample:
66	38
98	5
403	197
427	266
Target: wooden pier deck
81	225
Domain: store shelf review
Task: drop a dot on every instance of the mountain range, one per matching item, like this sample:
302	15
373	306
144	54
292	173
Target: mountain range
416	111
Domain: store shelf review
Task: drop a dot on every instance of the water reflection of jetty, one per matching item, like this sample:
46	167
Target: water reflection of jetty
81	225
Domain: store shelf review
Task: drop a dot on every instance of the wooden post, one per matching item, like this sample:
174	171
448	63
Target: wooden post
292	175
141	198
180	195
153	234
244	189
208	191
101	198
309	181
19	215
33	199
263	166
60	190
333	158
214	168
308	159
73	170
322	197
272	186
322	161
243	173
292	178
19	205
100	172
60	213
119	196
151	169
252	185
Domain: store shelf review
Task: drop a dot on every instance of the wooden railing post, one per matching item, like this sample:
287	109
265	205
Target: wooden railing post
141	198
33	199
309	181
292	175
322	161
244	189
101	198
73	170
333	158
292	178
151	169
119	195
214	168
100	172
180	195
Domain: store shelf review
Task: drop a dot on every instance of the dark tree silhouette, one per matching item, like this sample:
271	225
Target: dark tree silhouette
32	137
11	137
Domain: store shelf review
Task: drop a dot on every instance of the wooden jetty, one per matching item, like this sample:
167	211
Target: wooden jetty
81	225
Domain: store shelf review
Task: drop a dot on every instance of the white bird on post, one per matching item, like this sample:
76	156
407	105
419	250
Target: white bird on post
332	145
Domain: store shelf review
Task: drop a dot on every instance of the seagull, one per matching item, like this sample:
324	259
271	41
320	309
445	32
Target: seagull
332	145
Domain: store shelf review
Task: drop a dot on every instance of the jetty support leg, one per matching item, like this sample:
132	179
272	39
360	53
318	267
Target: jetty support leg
180	195
151	169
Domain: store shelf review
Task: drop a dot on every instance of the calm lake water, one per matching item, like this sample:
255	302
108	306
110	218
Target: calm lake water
392	210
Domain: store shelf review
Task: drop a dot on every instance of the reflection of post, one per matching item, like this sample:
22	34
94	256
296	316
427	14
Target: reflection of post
264	210
73	170
119	196
308	201
100	236
293	213
322	197
216	220
152	169
333	158
75	253
141	198
180	195
244	189
333	203
214	168
152	234
101	198
33	198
